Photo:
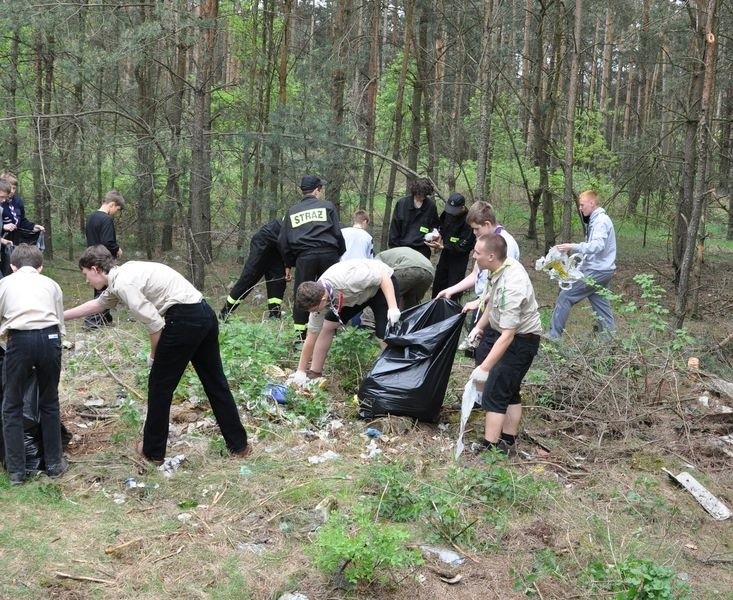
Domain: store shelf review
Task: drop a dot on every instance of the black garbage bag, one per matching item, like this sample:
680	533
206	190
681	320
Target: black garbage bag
410	377
32	434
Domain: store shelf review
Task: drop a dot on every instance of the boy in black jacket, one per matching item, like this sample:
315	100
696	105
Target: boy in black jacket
413	217
100	230
456	243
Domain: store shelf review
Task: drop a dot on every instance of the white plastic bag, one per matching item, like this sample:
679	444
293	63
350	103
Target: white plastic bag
471	396
561	267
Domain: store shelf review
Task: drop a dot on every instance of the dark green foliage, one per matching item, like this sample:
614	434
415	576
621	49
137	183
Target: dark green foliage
352	353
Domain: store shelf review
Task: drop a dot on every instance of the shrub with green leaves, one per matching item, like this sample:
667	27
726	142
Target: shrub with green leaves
637	579
363	550
398	497
311	404
351	355
247	349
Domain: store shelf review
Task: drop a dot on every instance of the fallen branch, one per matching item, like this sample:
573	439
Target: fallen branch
113	549
118	380
61	575
167	555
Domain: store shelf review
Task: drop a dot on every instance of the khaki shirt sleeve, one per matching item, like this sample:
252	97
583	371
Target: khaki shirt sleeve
141	308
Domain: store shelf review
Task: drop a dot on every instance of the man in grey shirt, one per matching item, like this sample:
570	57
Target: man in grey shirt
599	249
182	329
414	273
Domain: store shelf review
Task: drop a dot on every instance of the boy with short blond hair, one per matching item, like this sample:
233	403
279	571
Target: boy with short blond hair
359	242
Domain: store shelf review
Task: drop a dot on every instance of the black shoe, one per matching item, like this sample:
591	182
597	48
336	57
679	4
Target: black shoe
501	446
95	322
58	469
506	448
16	478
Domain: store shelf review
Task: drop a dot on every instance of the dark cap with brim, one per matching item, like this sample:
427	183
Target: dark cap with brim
456	204
311	182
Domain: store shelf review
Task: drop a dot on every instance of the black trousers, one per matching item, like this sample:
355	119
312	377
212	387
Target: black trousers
451	269
191	334
309	267
103	318
263	261
39	349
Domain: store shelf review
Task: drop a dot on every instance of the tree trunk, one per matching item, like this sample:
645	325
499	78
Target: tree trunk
41	167
527	76
704	23
338	89
146	74
177	75
454	123
726	158
12	124
370	113
199	237
568	208
398	119
606	70
484	123
413	151
593	83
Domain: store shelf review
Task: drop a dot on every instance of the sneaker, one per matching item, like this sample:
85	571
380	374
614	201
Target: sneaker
500	446
508	449
16	478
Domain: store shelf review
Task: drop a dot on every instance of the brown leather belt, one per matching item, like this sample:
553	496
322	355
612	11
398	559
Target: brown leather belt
528	336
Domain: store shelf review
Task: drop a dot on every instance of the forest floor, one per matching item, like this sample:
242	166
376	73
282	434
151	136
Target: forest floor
585	510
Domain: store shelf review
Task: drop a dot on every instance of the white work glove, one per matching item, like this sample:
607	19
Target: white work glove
393	315
151	360
475	336
299	378
479	375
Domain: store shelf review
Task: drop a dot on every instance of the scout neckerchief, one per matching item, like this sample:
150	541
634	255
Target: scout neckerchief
493	276
334	303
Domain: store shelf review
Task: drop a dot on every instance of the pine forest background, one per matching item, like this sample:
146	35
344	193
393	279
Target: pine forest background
205	114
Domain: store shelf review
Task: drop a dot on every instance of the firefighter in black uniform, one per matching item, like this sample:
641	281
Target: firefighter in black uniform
456	243
264	260
310	240
413	217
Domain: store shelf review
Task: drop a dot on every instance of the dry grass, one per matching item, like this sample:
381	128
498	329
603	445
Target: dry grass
225	528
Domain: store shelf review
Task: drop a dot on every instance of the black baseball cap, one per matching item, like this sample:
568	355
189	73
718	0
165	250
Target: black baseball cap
311	182
455	204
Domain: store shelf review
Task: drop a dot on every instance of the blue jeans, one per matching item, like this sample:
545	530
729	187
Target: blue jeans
191	334
39	349
581	290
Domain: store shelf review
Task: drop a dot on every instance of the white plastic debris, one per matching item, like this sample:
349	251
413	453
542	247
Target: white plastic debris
326	456
257	549
561	267
446	555
372	449
470	397
171	464
710	503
